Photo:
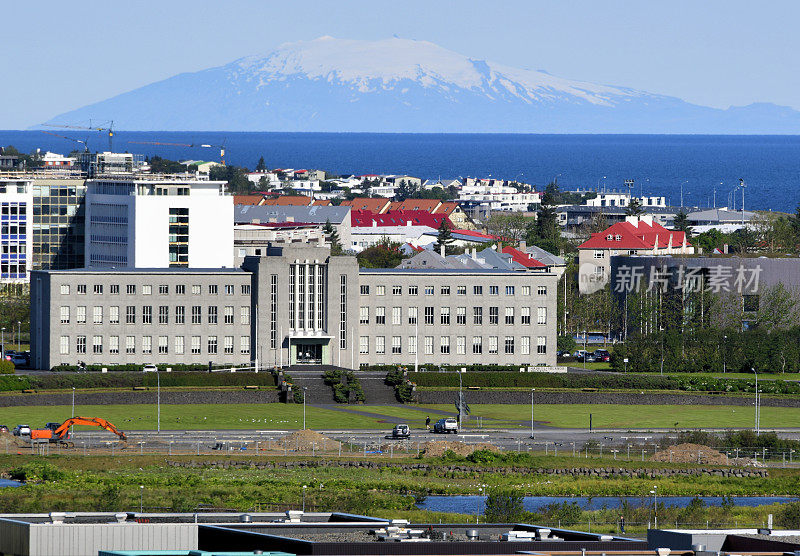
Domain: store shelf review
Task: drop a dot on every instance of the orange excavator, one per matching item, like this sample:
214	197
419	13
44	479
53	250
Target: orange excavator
59	433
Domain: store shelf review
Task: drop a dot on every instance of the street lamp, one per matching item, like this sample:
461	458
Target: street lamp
481	491
724	346
73	410
19	335
304	408
158	401
304	497
584	349
758	403
532	391
654	492
2	341
141	498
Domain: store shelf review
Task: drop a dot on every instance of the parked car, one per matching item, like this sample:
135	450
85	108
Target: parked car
150	368
3	428
583	355
21	430
602	355
564	354
18	359
401	431
448	425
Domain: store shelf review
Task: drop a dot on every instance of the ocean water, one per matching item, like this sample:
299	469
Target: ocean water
706	167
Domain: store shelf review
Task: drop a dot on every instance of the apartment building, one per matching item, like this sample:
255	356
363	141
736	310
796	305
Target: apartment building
16	230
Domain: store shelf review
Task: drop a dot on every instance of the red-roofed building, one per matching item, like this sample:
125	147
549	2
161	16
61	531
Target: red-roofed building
635	236
289	200
366	218
248	200
456	215
376	205
523	258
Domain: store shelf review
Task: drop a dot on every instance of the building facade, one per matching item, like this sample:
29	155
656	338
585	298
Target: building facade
16	230
58	221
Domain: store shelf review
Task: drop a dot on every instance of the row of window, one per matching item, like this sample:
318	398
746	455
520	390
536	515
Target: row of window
146	346
444	347
445	290
460	315
162	289
163	316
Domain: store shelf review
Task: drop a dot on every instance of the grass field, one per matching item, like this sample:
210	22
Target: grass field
285	417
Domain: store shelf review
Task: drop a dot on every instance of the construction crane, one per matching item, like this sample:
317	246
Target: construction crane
189	145
58	433
109	129
84	143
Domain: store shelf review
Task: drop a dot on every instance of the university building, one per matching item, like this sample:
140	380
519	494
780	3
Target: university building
294	305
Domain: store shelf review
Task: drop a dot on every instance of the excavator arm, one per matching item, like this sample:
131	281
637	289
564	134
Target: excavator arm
61	431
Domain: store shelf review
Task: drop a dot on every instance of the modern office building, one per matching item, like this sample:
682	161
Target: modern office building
16	230
58	221
150	221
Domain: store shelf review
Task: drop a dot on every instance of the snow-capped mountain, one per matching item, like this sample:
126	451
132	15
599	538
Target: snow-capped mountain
399	85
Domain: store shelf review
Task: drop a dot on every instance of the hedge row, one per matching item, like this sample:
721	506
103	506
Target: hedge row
178	367
129	380
504	379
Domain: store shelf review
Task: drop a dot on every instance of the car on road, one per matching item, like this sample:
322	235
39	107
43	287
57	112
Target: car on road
150	368
21	430
401	431
447	425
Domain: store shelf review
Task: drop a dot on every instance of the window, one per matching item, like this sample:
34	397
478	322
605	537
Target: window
380	315
541	344
228	344
229	290
364	289
363	344
428	315
541	290
97	344
228	316
80	315
493	344
412	345
130	289
179	347
525	315
212	314
509	345
412	315
81	288
197	312
130	344
180	289
363	315
147	314
212	290
598	253
509	315
461	315
113	345
80	344
64	315
114	291
180	314
246	291
147	345
477	315
461	290
244	345
196	291
428	345
64	289
163	289
196	345
130	314
97	315
445	290
397	315
64	345
397	344
494	315
244	314
380	290
429	290
494	290
509	290
413	290
113	315
163	314
397	290
541	315
444	315
477	344
477	290
380	345
212	345
461	345
526	290
444	344
147	290
525	345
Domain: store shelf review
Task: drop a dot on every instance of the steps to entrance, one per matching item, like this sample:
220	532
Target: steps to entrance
375	391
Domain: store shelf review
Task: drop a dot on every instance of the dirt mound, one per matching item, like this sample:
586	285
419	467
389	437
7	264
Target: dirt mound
437	448
11	440
308	440
691	453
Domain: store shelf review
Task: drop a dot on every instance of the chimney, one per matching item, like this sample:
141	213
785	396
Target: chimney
474	253
290	218
523	246
441	250
374	223
255	221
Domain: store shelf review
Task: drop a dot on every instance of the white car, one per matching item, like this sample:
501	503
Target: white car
150	368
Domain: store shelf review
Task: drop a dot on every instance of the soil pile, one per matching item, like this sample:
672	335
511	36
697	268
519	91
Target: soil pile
307	441
437	448
6	438
692	453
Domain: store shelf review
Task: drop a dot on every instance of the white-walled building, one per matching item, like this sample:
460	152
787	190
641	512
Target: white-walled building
155	222
495	196
623	199
16	230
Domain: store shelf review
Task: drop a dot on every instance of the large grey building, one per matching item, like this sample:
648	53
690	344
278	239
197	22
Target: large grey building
295	305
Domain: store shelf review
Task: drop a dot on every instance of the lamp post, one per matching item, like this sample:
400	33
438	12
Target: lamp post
141	498
19	335
158	401
532	391
724	346
585	353
654	492
2	341
304	497
757	423
73	410
742	185
481	491
304	408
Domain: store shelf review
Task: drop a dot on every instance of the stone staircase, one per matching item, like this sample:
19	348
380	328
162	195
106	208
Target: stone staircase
375	391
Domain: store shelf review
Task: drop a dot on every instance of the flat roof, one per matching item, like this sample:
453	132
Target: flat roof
168	270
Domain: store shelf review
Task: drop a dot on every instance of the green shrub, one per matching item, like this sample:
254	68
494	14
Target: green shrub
6	367
35	472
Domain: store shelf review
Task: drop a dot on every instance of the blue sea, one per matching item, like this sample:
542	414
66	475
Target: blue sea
708	167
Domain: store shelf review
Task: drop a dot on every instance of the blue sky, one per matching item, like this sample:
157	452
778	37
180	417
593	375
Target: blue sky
61	56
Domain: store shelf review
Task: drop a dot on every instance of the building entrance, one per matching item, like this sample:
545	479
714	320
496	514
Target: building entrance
309	353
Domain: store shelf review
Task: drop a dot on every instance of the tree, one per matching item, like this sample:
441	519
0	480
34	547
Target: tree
681	223
504	507
445	237
385	254
796	222
509	226
234	175
333	237
634	208
261	166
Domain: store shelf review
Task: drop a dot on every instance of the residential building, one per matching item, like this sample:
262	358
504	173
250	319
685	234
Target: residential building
574	216
621	199
248	199
635	236
386	191
722	219
365	218
484	198
415	235
151	221
55	160
339	217
271	179
16	230
378	206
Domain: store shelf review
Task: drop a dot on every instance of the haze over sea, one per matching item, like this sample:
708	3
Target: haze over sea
659	164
